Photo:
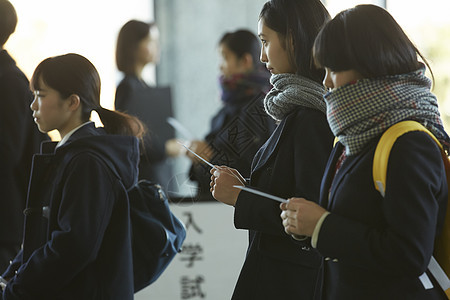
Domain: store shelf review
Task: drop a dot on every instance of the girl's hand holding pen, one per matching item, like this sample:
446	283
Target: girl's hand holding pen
222	180
300	216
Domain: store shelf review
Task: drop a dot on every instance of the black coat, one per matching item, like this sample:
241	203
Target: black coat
19	140
237	132
375	247
135	97
77	242
290	164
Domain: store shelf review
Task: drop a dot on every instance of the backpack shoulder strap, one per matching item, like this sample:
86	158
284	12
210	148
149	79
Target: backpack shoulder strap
384	146
439	266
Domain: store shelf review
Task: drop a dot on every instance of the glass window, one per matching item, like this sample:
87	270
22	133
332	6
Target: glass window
428	25
50	27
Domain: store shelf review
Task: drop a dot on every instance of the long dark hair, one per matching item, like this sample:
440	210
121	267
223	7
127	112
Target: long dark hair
74	74
367	39
241	42
297	21
130	35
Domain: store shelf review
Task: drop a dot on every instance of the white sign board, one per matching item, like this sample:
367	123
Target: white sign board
212	256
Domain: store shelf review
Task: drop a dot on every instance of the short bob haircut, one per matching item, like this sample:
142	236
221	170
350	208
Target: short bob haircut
241	42
297	22
367	39
8	20
130	35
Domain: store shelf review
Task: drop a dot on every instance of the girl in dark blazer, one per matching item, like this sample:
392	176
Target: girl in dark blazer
375	247
77	242
137	47
291	162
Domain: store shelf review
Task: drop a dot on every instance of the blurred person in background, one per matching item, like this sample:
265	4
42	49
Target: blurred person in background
19	140
138	46
241	126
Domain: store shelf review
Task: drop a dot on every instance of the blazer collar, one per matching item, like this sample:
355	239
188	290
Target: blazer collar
269	147
332	181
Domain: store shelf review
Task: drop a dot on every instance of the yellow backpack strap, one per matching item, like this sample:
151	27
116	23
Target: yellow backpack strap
440	263
381	157
336	140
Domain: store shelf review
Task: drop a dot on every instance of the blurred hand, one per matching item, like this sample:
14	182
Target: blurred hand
222	181
202	148
174	149
300	216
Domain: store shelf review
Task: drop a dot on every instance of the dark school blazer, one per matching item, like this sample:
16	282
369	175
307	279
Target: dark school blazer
374	247
19	140
291	163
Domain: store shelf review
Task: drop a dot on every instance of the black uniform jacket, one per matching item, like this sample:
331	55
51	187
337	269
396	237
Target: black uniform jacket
19	140
151	106
291	163
375	247
77	242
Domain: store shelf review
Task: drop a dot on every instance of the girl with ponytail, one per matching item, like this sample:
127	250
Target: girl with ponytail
77	229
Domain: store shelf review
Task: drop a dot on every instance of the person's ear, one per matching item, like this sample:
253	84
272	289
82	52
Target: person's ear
290	41
247	61
74	102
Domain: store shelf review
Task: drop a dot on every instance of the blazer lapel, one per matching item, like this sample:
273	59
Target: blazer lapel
268	148
329	175
331	180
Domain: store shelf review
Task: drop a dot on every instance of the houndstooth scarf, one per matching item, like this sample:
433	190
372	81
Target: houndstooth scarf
362	111
289	91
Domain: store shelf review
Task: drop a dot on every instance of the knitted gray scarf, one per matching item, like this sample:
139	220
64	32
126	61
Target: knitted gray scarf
289	91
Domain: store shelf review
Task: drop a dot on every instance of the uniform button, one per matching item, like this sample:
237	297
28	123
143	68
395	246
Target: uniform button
335	260
327	258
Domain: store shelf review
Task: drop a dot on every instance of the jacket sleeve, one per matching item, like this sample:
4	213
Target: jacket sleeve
87	199
303	151
403	244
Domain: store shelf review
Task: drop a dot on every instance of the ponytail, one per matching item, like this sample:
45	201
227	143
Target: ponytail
74	74
116	122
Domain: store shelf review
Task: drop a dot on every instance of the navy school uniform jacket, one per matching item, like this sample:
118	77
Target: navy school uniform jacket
153	163
77	242
375	247
19	140
291	163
